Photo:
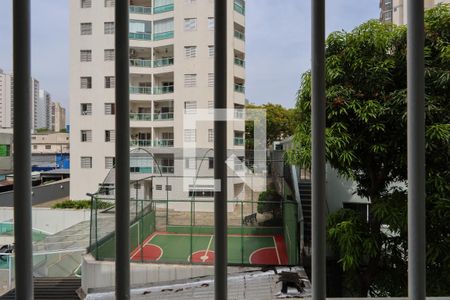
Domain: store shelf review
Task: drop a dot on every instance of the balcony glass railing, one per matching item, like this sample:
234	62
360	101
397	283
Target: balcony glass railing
163	116
140	117
163	143
141	143
240	35
238	113
239	88
140	36
238	141
239	8
158	90
163	35
140	90
140	10
142	170
167	169
239	62
143	63
163	8
163	62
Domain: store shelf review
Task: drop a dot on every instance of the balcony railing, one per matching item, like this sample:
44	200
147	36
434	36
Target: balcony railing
163	143
140	117
240	35
238	141
140	90
239	88
158	90
239	62
143	63
141	143
140	10
140	36
240	9
163	116
163	8
167	169
163	62
238	113
163	35
141	170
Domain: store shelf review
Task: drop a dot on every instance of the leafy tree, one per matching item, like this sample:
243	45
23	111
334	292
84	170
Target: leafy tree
366	142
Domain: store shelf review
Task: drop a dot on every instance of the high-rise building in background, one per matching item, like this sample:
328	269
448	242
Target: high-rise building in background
395	11
171	75
7	100
43	109
57	117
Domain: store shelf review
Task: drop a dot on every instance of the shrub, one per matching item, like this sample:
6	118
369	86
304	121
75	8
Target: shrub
81	204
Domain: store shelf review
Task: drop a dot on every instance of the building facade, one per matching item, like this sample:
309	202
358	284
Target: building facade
395	11
44	110
171	76
50	143
57	117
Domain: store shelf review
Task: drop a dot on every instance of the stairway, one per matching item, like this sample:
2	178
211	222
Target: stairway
52	289
305	197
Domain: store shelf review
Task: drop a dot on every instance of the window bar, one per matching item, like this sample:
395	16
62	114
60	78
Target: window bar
416	151
220	149
122	150
318	150
22	150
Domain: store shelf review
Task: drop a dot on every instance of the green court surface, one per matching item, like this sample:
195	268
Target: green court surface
199	248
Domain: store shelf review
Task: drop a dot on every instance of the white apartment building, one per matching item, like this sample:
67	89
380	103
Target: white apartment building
57	117
395	11
43	109
171	76
7	100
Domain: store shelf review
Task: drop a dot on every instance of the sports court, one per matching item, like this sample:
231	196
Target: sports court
199	248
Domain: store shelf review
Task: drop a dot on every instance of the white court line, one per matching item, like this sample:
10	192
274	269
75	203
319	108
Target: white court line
145	243
276	250
209	246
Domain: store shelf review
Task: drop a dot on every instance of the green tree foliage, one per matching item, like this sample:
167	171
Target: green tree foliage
279	123
366	141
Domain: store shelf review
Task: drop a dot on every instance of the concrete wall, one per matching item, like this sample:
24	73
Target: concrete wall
40	194
49	220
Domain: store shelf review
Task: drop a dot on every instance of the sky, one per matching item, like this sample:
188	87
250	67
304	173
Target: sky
277	43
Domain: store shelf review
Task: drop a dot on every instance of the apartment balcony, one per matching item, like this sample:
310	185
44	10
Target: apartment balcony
239	113
140	117
145	10
167	169
239	35
239	88
163	35
140	90
141	63
141	143
163	8
239	6
239	141
163	62
140	36
239	62
163	116
160	90
163	143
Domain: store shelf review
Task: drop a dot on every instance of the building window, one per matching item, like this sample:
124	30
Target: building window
210	107
211	51
190	24
110	162
86	3
86	162
211	162
109	54
86	135
190	135
109	27
86	109
211	23
110	3
48	147
190	107
34	147
210	79
190	51
201	194
190	80
86	28
110	135
86	82
110	82
190	1
210	135
110	108
158	187
85	55
168	188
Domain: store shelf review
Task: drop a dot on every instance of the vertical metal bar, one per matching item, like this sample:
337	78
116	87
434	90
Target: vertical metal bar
416	151
122	151
22	149
318	150
220	148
